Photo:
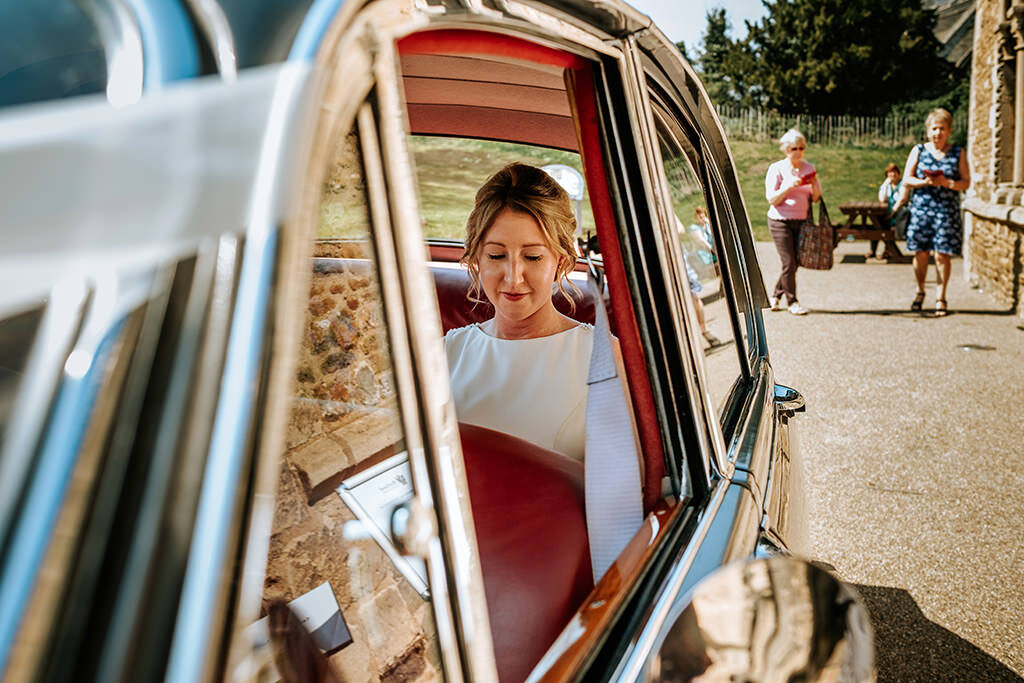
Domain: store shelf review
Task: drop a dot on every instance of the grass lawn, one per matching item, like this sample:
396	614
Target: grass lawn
450	171
846	174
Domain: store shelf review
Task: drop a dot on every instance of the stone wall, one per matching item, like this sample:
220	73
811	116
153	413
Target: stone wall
996	259
983	120
344	418
994	217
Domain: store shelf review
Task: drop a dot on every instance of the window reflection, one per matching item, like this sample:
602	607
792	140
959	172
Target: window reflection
703	264
345	467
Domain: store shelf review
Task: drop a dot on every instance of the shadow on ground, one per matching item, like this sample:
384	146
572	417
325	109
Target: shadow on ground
910	647
906	313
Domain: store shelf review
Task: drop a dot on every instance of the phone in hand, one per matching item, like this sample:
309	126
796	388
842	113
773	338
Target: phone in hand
809	178
935	175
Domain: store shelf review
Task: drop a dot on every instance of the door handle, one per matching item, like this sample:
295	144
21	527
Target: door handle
788	401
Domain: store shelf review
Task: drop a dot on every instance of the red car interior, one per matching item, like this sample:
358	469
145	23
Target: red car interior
537	569
532	535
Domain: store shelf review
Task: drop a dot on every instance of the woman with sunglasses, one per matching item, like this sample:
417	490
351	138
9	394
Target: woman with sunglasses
790	186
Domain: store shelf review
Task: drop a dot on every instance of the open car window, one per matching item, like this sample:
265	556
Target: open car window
706	264
449	171
345	468
518	101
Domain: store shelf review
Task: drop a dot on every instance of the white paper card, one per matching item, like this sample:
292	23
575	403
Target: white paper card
373	495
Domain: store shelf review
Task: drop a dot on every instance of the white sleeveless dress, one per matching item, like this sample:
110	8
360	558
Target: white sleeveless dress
535	389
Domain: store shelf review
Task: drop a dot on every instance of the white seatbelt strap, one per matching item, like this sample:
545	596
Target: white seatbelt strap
614	498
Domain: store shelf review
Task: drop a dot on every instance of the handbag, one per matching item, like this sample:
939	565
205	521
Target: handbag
816	241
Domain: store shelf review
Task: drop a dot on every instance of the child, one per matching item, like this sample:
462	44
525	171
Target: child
895	194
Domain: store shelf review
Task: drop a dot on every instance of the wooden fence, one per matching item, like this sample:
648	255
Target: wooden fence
857	131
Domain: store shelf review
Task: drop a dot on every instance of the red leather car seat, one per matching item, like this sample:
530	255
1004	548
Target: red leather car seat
531	532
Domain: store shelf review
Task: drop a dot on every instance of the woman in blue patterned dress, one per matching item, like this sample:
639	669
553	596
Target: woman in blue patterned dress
938	172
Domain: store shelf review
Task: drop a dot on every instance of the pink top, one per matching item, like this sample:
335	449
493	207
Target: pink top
797	201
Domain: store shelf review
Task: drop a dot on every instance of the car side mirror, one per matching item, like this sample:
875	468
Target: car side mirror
768	619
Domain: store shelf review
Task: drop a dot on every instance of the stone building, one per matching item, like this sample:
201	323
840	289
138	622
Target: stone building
994	207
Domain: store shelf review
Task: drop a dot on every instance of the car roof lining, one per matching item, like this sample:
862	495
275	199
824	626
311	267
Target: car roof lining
487	96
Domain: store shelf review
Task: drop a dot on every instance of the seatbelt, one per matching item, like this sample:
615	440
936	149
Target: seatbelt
613	494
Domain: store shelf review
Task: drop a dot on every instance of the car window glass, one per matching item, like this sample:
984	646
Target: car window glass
704	268
734	257
344	468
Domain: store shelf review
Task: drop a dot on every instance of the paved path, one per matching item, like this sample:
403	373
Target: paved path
914	450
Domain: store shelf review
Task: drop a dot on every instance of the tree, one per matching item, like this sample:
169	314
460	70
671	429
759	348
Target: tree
843	56
725	65
681	46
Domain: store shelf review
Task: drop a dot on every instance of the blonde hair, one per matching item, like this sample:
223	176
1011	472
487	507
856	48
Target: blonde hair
529	190
939	115
790	138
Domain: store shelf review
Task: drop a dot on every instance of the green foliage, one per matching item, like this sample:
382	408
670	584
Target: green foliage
826	57
955	98
726	65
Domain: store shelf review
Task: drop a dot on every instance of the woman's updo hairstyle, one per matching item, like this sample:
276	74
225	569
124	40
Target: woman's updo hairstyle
530	190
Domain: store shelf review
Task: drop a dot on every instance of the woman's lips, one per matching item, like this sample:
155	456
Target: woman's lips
512	296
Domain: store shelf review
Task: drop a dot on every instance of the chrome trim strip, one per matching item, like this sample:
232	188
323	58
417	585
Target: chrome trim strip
167	455
217	30
437	412
197	634
314	27
656	192
666	606
67	419
405	381
122	44
57	331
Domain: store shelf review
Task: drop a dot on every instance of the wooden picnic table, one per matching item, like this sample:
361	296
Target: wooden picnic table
870	221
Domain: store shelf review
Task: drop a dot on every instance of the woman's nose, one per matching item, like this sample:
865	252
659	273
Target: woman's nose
515	270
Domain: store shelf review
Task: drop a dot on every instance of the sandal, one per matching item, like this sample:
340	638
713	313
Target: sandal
918	302
940	308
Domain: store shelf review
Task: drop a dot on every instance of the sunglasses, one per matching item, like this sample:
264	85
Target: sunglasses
793	149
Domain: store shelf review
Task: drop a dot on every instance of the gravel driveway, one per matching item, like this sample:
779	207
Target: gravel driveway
914	448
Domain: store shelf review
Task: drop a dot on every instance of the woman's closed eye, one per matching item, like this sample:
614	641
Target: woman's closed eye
495	256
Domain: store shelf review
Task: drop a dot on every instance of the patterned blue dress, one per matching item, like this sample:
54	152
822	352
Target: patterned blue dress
935	223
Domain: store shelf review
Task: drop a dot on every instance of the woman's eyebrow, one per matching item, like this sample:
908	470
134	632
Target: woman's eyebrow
522	246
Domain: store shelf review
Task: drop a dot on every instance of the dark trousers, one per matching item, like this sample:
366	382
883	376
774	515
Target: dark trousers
785	235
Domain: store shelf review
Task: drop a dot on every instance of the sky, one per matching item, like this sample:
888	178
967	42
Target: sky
686	19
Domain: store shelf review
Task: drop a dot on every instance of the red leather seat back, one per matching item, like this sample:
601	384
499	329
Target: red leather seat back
532	535
457	310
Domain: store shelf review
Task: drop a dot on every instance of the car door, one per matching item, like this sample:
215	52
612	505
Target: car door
360	503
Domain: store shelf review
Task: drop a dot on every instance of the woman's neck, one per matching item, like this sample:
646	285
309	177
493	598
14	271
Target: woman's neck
544	323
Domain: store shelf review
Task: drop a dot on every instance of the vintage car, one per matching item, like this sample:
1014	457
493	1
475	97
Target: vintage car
229	446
